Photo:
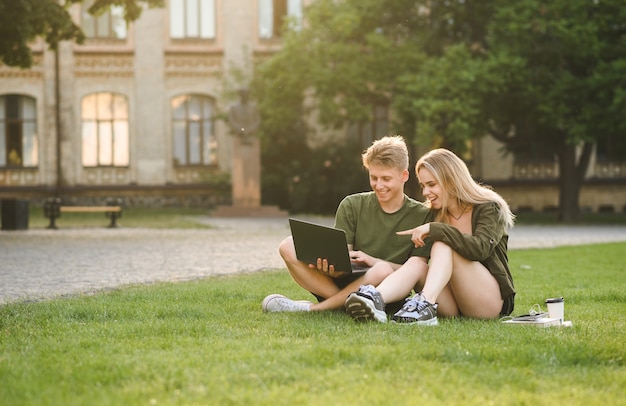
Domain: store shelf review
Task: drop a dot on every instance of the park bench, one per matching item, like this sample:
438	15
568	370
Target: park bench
53	209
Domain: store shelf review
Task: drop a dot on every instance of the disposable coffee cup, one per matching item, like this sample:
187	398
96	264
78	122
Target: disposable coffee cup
556	308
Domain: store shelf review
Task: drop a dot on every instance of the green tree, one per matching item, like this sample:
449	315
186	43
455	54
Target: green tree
22	21
538	76
333	71
562	82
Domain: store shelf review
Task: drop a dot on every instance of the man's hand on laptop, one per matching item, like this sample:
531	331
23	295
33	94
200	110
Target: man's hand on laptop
362	259
327	269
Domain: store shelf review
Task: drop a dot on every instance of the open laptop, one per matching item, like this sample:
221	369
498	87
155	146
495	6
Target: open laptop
313	241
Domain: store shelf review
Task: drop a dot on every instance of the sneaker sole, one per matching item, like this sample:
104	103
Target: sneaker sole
361	310
429	322
269	299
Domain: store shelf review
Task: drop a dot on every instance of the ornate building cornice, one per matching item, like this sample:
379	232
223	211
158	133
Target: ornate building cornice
192	64
99	64
35	71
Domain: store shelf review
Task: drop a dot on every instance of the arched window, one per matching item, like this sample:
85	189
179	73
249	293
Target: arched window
105	135
194	138
18	131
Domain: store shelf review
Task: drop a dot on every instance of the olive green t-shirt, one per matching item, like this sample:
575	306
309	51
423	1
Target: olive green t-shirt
369	229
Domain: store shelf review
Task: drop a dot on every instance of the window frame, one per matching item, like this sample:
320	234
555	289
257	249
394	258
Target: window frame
271	17
201	23
116	133
207	153
610	148
108	18
367	131
8	141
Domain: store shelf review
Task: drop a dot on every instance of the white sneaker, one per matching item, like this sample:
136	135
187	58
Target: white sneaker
279	303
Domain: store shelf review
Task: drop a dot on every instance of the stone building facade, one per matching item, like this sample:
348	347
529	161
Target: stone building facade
134	112
136	108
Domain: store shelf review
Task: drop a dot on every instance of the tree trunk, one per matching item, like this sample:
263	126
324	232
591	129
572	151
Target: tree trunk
571	177
411	188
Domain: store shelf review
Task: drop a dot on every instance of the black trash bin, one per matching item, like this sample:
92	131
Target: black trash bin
14	214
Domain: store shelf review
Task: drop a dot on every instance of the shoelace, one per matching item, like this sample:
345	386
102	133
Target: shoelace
414	304
367	290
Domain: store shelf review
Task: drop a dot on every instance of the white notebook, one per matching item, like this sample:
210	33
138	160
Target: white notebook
538	322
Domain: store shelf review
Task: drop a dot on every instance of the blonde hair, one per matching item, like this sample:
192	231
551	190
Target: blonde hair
389	152
457	183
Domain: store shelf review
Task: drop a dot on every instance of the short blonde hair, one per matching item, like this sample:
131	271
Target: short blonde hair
457	183
389	152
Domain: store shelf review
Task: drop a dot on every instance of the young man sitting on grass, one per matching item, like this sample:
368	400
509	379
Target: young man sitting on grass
370	221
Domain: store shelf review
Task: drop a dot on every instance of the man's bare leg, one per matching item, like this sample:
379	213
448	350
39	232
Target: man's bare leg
309	278
323	285
373	276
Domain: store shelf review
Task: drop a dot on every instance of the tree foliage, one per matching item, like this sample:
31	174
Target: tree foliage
544	78
22	21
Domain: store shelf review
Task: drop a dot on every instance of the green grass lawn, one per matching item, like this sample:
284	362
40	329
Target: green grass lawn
208	343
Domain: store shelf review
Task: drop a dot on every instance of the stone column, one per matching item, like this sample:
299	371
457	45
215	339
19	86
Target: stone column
151	140
246	174
246	158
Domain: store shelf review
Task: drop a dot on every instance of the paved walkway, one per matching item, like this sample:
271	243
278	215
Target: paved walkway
38	264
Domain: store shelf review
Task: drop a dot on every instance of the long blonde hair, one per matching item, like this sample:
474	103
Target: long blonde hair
457	183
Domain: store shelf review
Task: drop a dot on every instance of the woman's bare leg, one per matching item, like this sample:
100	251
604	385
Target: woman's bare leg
399	284
470	286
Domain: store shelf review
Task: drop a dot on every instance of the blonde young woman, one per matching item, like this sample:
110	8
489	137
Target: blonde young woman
468	273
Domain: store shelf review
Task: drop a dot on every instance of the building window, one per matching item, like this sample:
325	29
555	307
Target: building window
108	25
18	131
105	136
272	14
192	19
611	148
534	154
194	138
365	132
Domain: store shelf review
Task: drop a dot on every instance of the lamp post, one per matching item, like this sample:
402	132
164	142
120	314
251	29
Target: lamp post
57	114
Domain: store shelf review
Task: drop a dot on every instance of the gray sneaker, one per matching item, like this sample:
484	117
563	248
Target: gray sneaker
366	305
417	310
278	303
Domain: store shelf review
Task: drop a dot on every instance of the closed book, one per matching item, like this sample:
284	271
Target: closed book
539	322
